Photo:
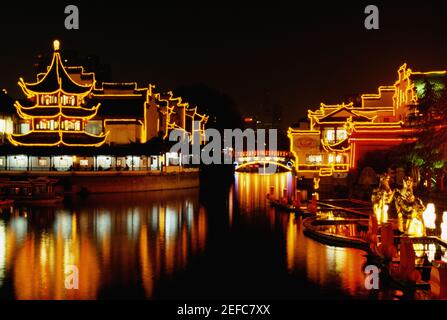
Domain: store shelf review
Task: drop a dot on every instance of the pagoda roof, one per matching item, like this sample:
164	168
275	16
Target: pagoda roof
428	75
80	71
120	89
86	112
56	138
55	79
119	85
344	113
88	78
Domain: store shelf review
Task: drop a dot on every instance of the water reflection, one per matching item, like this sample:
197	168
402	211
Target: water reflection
251	189
326	266
124	241
2	251
329	267
137	245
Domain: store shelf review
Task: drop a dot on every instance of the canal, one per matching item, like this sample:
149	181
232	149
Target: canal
210	243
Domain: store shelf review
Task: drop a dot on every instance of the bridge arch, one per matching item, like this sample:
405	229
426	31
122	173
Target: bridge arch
262	163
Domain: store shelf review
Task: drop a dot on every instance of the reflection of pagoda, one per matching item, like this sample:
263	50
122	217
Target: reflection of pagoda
57	109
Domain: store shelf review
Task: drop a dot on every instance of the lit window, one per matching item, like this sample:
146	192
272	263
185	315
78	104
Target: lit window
2	162
9	126
94	127
331	158
334	136
48	100
83	163
339	158
42	125
330	135
24	127
21	161
71	125
42	162
314	159
341	135
6	126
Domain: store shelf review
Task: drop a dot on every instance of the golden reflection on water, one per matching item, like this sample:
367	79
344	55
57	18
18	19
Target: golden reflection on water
252	189
119	240
133	241
324	265
40	264
2	251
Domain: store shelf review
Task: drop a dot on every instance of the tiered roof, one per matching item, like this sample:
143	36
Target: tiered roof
112	103
57	138
55	80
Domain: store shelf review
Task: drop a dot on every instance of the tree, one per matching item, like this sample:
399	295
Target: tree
429	118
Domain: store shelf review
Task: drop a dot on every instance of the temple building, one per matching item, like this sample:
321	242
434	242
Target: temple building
70	121
57	110
335	137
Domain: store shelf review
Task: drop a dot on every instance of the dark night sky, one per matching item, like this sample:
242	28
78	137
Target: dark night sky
293	56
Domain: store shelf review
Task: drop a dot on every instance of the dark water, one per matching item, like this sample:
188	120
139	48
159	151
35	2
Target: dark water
217	242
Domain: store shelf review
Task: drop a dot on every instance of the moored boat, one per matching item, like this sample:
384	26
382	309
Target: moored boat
39	191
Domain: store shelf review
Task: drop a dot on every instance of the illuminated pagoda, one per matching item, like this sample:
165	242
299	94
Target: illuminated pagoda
57	109
69	121
336	137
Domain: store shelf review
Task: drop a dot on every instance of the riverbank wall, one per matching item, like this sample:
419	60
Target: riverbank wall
113	181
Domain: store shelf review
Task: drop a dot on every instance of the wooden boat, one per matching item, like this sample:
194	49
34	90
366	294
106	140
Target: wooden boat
39	191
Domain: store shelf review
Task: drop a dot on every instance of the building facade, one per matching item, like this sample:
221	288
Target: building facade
336	137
